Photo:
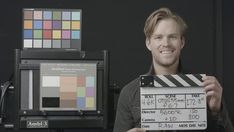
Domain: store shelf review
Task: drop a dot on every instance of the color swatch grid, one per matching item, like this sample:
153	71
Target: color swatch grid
52	28
63	91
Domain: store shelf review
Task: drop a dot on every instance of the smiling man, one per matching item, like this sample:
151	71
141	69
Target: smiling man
164	33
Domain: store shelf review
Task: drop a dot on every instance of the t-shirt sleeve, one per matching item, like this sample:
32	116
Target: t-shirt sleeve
124	119
221	120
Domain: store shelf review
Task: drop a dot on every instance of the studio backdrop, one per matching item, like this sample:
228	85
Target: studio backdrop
117	26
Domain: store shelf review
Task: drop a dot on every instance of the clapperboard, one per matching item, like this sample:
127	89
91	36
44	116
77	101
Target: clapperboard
173	102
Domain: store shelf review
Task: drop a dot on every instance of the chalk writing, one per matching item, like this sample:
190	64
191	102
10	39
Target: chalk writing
169	109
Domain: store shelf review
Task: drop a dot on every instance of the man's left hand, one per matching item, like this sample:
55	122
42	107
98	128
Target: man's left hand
214	92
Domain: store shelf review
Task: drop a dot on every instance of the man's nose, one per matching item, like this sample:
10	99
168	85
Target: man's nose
165	42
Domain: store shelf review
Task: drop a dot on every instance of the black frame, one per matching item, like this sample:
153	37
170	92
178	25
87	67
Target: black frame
62	119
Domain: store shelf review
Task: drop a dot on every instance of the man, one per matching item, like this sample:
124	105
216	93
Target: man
164	33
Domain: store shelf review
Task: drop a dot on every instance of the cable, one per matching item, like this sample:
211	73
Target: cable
4	88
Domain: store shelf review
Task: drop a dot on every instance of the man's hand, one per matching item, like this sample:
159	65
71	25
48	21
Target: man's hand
136	130
213	92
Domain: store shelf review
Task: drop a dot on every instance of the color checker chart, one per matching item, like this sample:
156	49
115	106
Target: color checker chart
68	86
52	28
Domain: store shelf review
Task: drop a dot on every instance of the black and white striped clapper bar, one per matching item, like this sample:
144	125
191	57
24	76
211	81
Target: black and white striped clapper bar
173	102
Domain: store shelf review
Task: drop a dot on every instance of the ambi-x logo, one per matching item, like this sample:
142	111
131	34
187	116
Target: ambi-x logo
37	124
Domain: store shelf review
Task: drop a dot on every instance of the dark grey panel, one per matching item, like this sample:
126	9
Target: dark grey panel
25	85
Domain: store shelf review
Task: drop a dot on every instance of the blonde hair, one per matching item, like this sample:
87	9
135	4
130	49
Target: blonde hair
160	14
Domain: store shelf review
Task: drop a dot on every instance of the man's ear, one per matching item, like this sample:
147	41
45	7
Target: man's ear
147	43
182	42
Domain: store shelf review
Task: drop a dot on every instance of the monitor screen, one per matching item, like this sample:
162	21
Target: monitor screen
68	86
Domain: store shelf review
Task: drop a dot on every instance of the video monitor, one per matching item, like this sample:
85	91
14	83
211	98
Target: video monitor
63	89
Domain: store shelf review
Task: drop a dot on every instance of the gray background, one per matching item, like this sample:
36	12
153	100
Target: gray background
117	26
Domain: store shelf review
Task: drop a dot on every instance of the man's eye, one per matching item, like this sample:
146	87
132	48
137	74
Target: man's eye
158	37
173	37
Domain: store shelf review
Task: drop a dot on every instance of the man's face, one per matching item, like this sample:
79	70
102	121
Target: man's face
166	43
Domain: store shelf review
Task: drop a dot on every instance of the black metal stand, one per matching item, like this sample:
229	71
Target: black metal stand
56	130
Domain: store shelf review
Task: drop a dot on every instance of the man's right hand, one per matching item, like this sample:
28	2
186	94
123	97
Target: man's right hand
136	130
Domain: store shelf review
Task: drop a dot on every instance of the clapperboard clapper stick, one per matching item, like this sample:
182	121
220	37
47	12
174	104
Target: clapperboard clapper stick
173	102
